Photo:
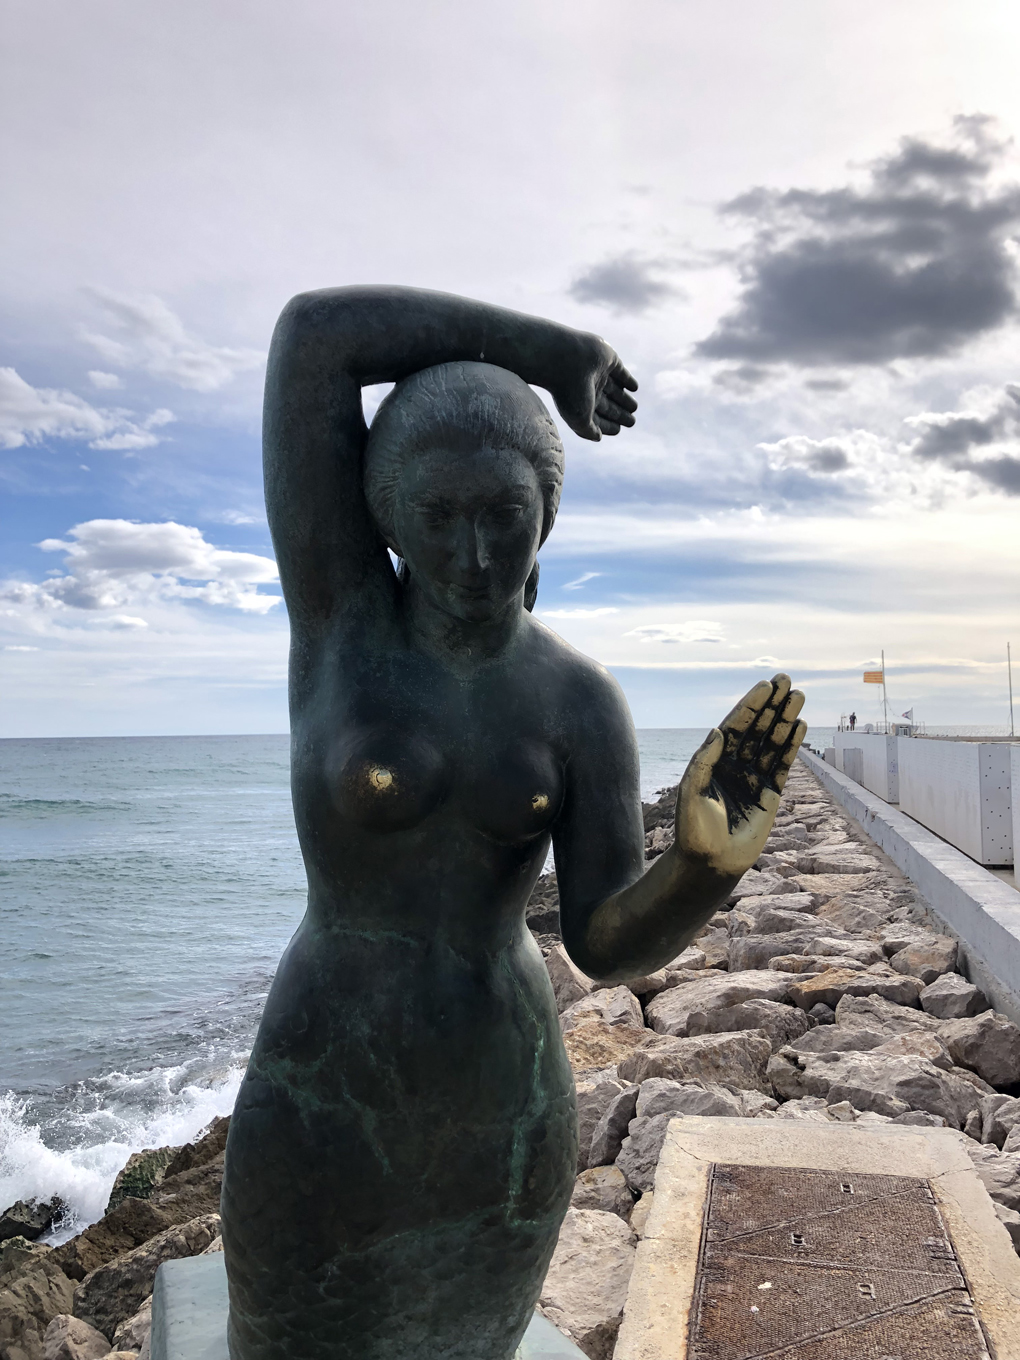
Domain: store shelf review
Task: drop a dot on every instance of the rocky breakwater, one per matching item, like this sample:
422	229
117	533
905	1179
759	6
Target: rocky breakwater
824	991
92	1296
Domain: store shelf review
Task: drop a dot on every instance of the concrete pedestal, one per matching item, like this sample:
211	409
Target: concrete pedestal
189	1316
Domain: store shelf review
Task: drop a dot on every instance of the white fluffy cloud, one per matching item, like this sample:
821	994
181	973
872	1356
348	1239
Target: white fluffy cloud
149	336
693	630
113	564
30	414
577	613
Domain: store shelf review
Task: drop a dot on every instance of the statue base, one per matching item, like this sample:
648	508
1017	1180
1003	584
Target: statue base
189	1316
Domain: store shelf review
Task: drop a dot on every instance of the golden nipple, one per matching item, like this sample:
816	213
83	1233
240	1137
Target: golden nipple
540	801
380	778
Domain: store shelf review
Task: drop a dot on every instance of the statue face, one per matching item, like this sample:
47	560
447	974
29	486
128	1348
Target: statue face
469	525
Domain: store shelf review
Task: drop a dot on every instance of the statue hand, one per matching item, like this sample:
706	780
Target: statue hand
593	393
730	791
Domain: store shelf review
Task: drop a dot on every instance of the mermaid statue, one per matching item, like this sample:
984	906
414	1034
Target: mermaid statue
404	1143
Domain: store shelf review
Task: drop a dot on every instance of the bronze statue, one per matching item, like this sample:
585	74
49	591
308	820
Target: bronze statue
403	1147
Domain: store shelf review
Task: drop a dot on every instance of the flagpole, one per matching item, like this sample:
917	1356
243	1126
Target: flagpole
885	701
1009	669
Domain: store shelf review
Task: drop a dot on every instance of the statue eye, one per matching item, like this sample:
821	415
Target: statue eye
507	514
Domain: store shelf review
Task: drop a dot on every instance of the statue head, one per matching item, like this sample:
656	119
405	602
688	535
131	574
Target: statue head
463	472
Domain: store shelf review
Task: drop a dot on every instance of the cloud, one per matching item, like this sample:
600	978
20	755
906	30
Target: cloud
694	630
624	283
579	581
956	437
913	262
104	381
578	613
149	336
114	563
16	648
29	415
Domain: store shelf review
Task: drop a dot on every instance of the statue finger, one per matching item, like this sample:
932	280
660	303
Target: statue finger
620	395
609	410
702	764
623	376
788	755
744	714
606	426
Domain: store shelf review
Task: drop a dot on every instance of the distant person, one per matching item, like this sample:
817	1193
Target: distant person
853	721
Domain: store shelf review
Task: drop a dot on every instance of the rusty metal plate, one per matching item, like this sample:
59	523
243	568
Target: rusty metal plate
799	1264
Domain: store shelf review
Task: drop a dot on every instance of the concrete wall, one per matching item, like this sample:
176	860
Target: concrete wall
1014	755
877	762
980	910
961	791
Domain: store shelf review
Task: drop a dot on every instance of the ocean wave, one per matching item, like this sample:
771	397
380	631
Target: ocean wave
10	802
161	1107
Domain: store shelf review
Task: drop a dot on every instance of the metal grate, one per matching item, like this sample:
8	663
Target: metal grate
821	1265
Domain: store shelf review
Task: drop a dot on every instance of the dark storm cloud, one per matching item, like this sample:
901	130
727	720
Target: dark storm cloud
626	283
914	262
953	436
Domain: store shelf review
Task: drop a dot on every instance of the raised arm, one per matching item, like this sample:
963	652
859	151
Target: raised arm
619	922
327	346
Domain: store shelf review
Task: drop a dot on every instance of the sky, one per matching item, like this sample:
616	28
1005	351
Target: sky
797	223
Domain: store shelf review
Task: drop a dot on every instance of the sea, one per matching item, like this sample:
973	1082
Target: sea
148	886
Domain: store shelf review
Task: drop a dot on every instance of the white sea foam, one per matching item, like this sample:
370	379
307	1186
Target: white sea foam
157	1108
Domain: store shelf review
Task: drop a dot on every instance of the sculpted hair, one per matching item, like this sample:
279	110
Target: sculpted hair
460	406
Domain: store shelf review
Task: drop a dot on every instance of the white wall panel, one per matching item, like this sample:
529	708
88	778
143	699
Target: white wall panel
961	791
879	769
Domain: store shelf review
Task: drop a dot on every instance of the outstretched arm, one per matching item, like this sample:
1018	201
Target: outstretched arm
326	347
726	805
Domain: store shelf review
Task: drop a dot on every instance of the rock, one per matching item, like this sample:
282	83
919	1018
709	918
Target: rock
875	1014
668	1013
998	1172
734	1060
68	1338
651	984
569	984
824	887
594	1044
141	1173
1010	1220
29	1300
658	1096
755	951
128	1226
593	1099
781	1024
804	903
919	1044
800	963
862	952
30	1218
715	946
133	1333
586	1285
998	1116
921	1119
822	1014
692	957
118	1289
927	960
833	862
884	1083
611	1129
18	1256
851	913
831	986
542	914
603	1188
989	1044
640	1212
900	934
837	1039
754	884
207	1147
740	923
781	922
810	1108
639	1155
614	1005
951	997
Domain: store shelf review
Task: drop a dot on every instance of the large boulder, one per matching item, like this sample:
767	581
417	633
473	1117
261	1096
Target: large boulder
781	1023
863	952
756	951
30	1218
614	1005
586	1284
569	984
140	1174
639	1155
889	1084
755	884
611	1129
207	1147
831	986
860	913
603	1188
126	1227
952	997
824	887
592	1044
999	1173
30	1297
876	1014
989	1044
134	1332
735	1060
927	959
593	1100
116	1291
68	1338
658	1096
668	1013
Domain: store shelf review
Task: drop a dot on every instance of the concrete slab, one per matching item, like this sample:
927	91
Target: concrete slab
982	912
189	1316
665	1315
